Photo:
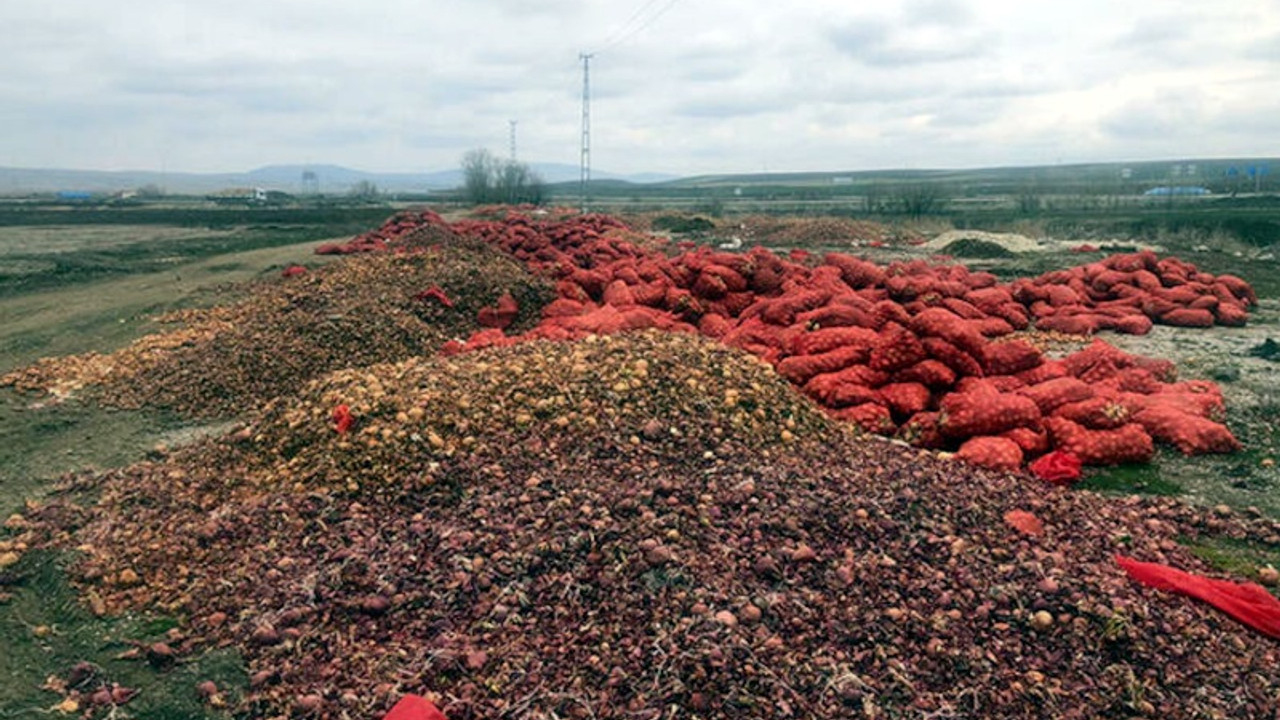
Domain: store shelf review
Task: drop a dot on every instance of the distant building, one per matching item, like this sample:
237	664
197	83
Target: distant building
74	196
1179	190
249	196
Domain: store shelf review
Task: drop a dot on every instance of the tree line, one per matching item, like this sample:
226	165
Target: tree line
488	179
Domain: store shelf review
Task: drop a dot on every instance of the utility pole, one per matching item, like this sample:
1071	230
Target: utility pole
585	169
513	140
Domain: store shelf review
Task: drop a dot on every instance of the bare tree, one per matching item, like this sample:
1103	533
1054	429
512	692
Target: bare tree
486	179
364	190
918	199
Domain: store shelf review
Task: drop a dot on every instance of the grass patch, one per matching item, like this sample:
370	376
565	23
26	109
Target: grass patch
1238	557
37	445
68	634
38	271
1129	479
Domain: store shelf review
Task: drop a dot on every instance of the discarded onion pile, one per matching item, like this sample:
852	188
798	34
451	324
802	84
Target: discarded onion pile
916	350
364	310
683	555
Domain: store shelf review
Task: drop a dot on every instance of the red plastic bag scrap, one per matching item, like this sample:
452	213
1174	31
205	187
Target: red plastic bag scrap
1249	603
1024	522
434	293
342	419
1060	467
500	316
293	271
414	707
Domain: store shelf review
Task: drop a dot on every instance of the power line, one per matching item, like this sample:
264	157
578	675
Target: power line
622	29
621	38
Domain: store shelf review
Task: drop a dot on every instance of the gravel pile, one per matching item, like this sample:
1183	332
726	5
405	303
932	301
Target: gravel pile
647	526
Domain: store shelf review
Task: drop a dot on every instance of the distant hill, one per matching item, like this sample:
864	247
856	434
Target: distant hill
332	179
1225	173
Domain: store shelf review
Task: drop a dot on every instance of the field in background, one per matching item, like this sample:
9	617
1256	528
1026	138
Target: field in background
75	279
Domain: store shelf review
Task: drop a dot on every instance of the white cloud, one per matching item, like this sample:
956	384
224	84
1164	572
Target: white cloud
706	86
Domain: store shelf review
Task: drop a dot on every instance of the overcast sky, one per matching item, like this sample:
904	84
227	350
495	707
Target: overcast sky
678	86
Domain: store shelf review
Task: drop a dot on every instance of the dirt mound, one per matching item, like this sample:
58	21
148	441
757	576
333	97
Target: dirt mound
364	310
796	231
957	242
683	553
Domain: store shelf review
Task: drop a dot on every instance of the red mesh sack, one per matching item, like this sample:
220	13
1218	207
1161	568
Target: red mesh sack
977	386
1014	314
1203	404
856	273
1231	315
1062	296
825	339
1032	440
963	308
931	373
871	417
836	316
1104	369
846	394
988	299
564	307
800	368
1138	380
1125	444
964	415
714	326
887	311
1069	324
824	386
1006	383
1242	290
571	290
940	323
1045	371
953	357
921	430
1133	324
709	287
993	453
991	327
1052	394
783	310
651	294
1188	317
732	280
895	348
905	399
619	294
1104	281
1132	262
1191	434
1096	413
1011	356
